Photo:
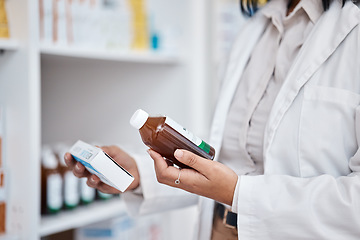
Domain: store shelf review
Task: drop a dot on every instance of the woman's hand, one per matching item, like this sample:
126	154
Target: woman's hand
121	157
209	179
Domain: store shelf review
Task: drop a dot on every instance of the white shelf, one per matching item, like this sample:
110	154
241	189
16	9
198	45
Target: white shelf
8	44
81	216
8	237
113	55
53	78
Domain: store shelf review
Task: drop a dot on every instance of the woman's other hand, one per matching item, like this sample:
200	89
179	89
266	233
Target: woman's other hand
207	178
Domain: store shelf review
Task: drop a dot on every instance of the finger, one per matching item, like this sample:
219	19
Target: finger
160	162
194	161
95	182
69	160
111	150
169	162
80	171
103	187
165	174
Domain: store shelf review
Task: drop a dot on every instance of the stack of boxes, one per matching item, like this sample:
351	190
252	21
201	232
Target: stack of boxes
139	25
95	24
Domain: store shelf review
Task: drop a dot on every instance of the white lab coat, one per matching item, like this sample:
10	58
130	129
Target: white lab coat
311	183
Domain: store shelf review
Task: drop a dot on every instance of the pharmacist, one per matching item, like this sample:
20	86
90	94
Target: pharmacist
286	130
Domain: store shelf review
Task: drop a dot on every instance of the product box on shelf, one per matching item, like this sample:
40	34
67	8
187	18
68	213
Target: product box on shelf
86	24
105	25
123	227
4	26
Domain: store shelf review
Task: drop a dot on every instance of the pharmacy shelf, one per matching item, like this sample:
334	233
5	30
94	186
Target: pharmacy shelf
8	237
112	55
81	216
8	44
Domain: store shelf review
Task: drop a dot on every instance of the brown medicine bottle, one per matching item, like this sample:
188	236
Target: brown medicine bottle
3	204
164	135
51	183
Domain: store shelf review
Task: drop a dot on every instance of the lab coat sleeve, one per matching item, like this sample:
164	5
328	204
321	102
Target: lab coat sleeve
154	197
286	207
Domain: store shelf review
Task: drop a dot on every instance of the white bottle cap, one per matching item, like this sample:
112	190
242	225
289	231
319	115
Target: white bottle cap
60	150
49	160
139	118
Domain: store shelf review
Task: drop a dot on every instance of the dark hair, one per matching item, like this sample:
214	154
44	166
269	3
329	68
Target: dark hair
249	7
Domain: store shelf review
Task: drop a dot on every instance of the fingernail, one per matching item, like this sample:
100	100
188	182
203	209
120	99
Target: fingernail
77	167
148	151
92	179
65	157
178	153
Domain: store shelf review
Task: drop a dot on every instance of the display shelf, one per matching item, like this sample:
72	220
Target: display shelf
53	79
113	55
8	237
8	44
81	216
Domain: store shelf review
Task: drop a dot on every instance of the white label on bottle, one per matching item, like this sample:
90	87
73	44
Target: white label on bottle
183	131
104	195
54	196
48	20
61	27
87	193
2	194
2	121
71	189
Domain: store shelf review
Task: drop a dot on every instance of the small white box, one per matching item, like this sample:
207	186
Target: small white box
119	228
102	165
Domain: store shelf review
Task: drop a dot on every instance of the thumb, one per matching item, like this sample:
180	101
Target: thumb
192	160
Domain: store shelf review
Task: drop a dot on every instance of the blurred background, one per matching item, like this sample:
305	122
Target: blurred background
78	69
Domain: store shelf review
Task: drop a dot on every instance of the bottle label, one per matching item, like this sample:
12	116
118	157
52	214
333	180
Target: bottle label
188	135
2	186
104	195
2	194
48	21
0	146
87	193
54	196
71	189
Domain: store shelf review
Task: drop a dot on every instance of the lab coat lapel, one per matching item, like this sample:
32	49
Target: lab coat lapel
332	28
244	44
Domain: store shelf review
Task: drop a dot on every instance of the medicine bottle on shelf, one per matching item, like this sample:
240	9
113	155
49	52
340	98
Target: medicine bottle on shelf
164	135
87	194
71	183
51	183
3	178
103	196
3	202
